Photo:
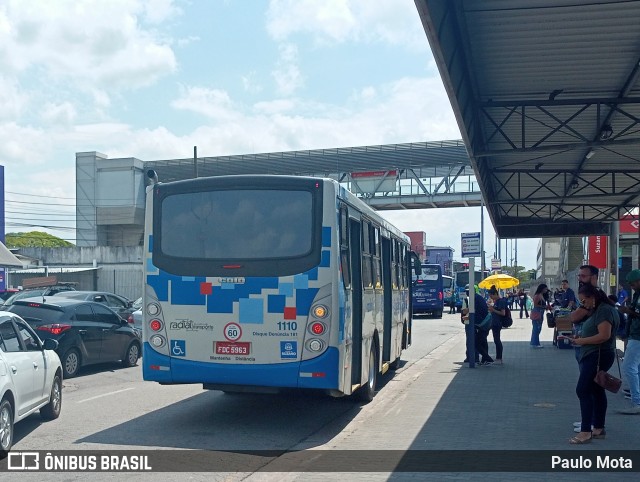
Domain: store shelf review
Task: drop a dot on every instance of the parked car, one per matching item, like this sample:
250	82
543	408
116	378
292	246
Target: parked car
31	376
135	321
5	294
33	292
117	303
87	332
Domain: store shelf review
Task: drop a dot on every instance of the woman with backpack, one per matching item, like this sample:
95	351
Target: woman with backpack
498	310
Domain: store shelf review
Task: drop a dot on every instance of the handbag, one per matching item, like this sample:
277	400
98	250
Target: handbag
551	320
605	380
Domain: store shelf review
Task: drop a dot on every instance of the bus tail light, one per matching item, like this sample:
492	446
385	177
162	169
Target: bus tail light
315	345
157	341
54	329
317	328
155	325
153	309
440	295
320	311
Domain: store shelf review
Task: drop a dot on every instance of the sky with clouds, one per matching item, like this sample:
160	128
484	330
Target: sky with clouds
151	79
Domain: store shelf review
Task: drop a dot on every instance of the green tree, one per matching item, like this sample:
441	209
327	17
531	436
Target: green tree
35	239
519	272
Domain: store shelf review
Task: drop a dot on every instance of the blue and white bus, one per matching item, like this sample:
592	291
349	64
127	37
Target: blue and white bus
461	280
256	283
428	291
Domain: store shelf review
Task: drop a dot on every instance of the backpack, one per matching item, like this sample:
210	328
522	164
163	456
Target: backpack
507	321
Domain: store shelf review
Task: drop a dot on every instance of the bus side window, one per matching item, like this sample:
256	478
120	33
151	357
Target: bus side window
367	278
344	247
403	266
377	262
396	264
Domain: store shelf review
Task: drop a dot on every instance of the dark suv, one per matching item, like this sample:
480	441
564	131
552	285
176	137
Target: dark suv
86	332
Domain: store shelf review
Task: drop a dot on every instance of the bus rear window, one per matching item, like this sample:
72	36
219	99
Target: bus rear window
237	224
429	274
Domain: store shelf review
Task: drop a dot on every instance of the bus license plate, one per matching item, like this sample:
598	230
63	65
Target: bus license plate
230	348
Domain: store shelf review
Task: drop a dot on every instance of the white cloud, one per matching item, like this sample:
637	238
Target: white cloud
157	11
86	41
407	110
12	99
287	74
23	145
335	21
274	106
58	114
213	103
250	83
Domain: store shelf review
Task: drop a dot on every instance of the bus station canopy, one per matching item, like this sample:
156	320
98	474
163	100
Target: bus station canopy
547	97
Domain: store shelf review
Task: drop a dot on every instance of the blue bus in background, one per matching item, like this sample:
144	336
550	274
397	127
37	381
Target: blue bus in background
461	280
428	291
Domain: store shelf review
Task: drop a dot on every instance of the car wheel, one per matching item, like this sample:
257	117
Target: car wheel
6	427
51	410
368	391
71	363
133	353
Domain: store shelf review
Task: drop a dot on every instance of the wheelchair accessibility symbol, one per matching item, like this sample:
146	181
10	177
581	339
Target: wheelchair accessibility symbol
178	348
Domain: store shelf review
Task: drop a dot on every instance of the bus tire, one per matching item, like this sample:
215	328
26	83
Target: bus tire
368	391
439	314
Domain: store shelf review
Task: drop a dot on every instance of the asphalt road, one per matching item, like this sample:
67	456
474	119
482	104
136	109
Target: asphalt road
112	408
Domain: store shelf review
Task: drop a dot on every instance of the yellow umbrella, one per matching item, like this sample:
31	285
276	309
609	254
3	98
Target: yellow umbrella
500	281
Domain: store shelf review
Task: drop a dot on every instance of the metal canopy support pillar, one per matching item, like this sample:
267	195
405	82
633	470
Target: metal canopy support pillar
470	326
635	249
482	262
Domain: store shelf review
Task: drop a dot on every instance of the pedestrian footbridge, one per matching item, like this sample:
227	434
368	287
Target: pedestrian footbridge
416	175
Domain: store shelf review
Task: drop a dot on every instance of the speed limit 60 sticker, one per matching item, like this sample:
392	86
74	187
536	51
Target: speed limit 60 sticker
232	332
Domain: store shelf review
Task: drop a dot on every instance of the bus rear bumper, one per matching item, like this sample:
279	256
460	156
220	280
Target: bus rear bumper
319	373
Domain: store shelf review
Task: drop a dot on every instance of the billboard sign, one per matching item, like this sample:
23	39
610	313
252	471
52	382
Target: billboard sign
598	251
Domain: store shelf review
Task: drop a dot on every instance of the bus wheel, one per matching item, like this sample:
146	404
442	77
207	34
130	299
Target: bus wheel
368	391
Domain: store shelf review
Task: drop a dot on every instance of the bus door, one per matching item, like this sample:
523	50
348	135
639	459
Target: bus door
355	252
388	293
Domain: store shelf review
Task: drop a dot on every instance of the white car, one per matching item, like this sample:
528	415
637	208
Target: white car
30	376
